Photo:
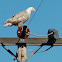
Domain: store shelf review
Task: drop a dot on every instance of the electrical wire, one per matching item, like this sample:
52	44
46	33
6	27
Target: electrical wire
35	12
32	53
41	51
39	35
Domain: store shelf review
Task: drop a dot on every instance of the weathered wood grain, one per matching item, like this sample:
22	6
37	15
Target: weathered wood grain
28	41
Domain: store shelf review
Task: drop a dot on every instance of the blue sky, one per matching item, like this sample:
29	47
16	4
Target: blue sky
48	16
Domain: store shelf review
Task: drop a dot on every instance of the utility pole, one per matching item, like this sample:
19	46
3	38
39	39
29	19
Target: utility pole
21	51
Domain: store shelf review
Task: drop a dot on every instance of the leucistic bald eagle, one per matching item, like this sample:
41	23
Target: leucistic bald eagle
19	18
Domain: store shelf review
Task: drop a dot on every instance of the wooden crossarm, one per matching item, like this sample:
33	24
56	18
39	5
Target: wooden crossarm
28	41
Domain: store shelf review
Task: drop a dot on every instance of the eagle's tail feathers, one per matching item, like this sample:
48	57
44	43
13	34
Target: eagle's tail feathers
7	24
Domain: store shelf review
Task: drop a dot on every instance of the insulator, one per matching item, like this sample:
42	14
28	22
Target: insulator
23	32
53	37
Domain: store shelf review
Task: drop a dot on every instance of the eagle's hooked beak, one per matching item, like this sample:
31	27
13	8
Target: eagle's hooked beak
34	10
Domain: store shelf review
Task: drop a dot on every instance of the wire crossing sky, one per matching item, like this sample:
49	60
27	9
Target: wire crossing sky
36	11
48	16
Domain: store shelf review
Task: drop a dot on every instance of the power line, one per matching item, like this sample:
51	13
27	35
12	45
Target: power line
41	35
41	51
35	11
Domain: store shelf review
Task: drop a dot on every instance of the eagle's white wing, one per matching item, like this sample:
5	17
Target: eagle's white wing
20	17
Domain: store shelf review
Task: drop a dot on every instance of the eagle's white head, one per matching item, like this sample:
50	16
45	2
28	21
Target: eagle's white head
30	9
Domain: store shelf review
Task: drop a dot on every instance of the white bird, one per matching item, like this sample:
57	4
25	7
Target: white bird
19	18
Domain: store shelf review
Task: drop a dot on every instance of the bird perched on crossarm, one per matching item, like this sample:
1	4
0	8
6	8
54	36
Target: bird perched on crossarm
19	18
